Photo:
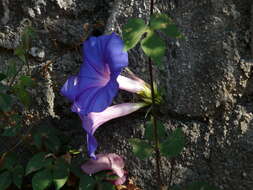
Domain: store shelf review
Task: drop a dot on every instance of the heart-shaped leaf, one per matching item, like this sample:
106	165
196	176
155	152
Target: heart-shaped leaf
42	179
141	149
174	144
133	31
154	47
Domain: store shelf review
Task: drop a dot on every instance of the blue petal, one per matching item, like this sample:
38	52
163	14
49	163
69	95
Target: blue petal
94	51
69	89
96	99
92	145
116	57
105	49
75	85
90	70
87	123
82	102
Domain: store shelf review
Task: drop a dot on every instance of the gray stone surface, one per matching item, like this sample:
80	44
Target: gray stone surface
208	79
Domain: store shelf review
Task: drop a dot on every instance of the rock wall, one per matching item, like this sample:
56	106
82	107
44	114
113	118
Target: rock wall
208	78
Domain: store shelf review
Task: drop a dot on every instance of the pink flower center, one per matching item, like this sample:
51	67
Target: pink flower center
106	75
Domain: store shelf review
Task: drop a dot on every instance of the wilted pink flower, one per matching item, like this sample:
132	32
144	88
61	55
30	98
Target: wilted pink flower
93	120
109	161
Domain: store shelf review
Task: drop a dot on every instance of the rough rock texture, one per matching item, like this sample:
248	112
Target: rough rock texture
208	78
209	87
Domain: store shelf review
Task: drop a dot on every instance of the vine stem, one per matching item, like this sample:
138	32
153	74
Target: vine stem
155	128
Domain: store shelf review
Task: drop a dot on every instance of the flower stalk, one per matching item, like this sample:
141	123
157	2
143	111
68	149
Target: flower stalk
155	128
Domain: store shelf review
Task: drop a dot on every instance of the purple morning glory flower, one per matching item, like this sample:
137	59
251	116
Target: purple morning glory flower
95	86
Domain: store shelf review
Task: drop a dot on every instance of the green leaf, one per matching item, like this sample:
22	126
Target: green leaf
3	88
17	175
26	81
23	95
53	143
16	118
74	151
154	47
132	32
9	161
45	131
164	23
5	180
37	162
27	35
141	149
76	170
47	136
172	31
200	186
11	68
60	173
11	131
20	89
86	183
107	186
5	102
42	179
149	131
2	76
174	144
37	138
159	21
20	52
60	182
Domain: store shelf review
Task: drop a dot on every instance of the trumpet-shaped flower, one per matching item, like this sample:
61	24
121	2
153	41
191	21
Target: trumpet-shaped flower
95	86
93	120
135	85
106	162
140	87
